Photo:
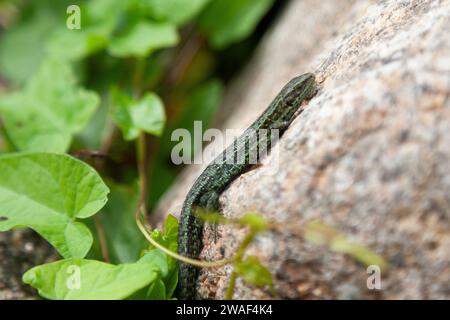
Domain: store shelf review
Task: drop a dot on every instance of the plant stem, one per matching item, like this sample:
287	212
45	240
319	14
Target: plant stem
5	143
244	245
141	147
141	144
107	140
101	238
238	258
109	135
231	286
138	77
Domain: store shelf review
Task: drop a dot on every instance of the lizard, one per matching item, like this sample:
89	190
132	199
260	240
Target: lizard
218	175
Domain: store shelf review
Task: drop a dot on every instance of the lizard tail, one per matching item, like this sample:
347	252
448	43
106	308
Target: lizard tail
189	245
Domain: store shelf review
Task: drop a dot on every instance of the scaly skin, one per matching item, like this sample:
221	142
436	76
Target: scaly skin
219	174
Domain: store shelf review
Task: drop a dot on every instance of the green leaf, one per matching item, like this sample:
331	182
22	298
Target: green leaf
48	192
165	284
176	11
21	49
154	276
212	217
163	287
49	111
99	19
158	259
143	38
169	238
132	117
77	279
156	290
253	272
168	266
322	234
171	229
228	21
360	253
82	43
255	221
100	10
171	282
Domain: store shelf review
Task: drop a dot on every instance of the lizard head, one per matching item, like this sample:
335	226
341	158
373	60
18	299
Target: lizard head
282	110
299	89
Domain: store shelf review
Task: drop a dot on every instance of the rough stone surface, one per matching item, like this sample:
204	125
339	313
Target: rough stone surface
370	155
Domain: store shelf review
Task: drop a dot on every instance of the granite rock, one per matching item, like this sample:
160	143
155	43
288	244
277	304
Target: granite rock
369	156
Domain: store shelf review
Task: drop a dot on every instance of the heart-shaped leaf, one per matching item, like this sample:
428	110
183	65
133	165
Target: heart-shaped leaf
78	279
132	116
48	192
49	111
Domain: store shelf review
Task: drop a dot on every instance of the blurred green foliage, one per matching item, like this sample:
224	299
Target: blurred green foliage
166	50
41	117
133	116
227	21
253	272
153	276
134	66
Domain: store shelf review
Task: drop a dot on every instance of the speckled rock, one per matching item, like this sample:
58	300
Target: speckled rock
370	155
